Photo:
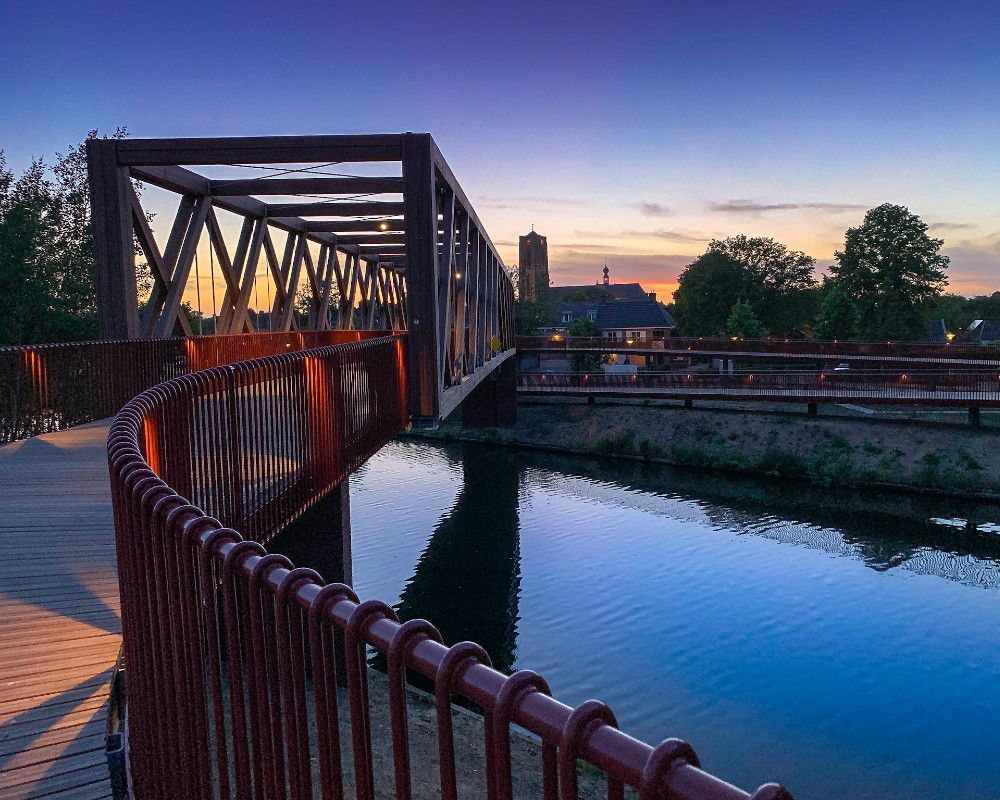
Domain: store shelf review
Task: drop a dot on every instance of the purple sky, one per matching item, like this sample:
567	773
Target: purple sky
630	133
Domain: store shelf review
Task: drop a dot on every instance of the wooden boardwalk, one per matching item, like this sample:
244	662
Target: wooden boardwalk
60	629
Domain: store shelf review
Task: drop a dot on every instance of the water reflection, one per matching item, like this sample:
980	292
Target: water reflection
468	579
842	641
930	535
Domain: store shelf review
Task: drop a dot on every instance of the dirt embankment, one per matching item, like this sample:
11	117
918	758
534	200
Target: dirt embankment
828	450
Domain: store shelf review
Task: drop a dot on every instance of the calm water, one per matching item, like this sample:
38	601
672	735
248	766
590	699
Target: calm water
846	645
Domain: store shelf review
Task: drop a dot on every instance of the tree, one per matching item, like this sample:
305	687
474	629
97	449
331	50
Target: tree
584	327
743	322
839	317
986	306
47	289
707	288
771	263
529	316
778	283
893	270
781	287
584	362
957	312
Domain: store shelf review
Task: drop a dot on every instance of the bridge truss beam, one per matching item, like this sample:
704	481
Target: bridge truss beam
405	252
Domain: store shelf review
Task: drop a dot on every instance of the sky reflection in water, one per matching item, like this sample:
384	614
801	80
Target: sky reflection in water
846	645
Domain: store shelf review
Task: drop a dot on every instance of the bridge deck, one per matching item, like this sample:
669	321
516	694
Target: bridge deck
59	615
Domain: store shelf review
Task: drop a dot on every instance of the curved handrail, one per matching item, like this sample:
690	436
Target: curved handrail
216	628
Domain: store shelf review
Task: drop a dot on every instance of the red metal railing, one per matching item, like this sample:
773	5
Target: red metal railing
49	387
923	387
232	666
709	346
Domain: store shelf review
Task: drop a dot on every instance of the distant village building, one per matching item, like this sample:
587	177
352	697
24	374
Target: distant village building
622	311
533	266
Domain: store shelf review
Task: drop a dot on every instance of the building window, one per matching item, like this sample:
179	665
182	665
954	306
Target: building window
592	316
567	316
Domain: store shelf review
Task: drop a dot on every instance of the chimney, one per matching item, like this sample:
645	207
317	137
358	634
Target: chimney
652	297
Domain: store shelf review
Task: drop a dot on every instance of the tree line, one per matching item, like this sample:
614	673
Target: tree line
886	283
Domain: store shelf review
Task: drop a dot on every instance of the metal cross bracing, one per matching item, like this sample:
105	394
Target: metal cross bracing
420	261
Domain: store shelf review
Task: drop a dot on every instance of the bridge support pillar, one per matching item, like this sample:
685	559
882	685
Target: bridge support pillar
321	537
688	402
493	403
974	416
812	409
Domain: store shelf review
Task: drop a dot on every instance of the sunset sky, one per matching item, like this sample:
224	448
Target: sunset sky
629	133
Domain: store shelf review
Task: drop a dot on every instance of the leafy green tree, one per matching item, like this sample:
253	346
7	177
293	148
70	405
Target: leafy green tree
893	270
781	286
584	362
47	289
529	316
957	312
706	290
839	317
584	327
778	283
743	322
769	262
986	306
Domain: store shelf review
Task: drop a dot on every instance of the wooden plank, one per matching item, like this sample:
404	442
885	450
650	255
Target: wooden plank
60	632
445	283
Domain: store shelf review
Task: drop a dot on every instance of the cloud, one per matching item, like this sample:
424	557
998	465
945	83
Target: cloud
754	207
530	200
680	237
950	226
975	265
677	236
653	209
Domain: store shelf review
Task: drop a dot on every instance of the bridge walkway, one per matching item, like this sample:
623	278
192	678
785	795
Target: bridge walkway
60	628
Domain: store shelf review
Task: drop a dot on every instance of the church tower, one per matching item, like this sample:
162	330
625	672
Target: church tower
533	266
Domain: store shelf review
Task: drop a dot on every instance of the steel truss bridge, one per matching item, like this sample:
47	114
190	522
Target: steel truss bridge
242	666
399	250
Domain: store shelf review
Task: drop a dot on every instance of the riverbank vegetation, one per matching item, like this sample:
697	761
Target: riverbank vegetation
824	450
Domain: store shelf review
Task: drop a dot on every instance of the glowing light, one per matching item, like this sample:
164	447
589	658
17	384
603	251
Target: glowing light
383	226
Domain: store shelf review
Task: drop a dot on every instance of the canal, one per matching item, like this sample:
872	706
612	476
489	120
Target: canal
845	644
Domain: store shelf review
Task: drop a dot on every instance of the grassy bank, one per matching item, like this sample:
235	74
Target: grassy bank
825	450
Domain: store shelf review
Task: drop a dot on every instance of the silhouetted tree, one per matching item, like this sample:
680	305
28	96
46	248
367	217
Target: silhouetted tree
584	362
893	270
839	317
743	322
47	289
778	283
707	289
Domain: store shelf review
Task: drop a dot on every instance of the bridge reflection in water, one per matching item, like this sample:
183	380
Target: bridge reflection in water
468	578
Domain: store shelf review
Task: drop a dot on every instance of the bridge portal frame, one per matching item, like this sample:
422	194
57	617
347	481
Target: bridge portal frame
422	262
